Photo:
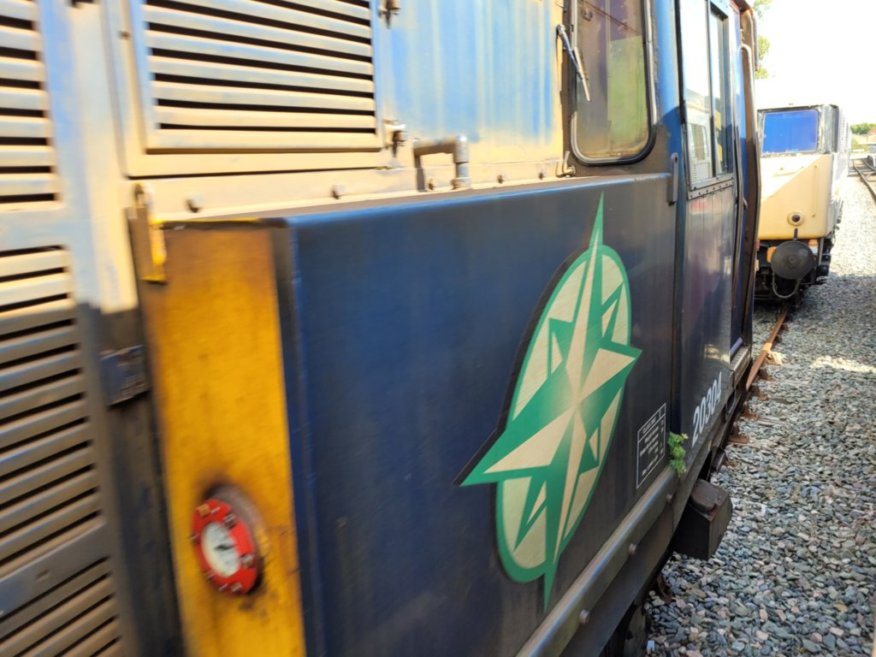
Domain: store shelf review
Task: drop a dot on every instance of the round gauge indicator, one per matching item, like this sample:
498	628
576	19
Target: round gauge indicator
220	549
223	534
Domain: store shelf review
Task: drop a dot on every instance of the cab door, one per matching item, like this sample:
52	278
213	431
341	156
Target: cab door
711	217
743	64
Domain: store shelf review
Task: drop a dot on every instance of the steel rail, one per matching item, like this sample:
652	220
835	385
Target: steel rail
767	348
866	177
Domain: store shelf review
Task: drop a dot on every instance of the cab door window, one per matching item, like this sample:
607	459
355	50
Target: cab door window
707	98
614	124
722	109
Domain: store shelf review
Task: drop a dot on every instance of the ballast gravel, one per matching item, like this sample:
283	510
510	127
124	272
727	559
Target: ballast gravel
796	572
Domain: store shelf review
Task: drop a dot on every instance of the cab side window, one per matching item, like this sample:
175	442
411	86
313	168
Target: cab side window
707	98
614	124
719	54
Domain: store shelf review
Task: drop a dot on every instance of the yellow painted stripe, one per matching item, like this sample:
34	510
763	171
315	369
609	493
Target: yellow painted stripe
214	342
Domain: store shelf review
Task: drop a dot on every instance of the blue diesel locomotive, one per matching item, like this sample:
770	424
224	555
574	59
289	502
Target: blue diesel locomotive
366	327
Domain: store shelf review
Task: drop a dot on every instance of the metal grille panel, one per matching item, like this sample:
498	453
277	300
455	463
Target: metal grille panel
27	158
55	582
257	75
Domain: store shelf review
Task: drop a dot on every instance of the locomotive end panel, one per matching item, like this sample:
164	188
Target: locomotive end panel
796	197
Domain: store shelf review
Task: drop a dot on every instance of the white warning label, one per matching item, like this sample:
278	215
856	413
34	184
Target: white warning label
651	445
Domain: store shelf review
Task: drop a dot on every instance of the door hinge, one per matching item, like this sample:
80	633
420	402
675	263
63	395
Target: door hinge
672	192
147	238
124	374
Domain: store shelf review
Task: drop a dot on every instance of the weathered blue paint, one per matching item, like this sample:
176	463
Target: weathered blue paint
668	80
483	69
402	343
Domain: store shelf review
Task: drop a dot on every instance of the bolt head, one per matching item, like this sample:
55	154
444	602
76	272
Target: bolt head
195	203
584	617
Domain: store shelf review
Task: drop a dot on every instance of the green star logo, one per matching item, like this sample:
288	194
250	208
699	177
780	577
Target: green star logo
547	460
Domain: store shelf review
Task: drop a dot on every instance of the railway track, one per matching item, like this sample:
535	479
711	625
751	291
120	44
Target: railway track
767	347
867	174
736	437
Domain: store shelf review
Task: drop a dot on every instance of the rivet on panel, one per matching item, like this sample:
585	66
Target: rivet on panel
584	617
195	203
632	549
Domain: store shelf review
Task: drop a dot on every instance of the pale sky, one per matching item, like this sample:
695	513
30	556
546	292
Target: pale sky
821	52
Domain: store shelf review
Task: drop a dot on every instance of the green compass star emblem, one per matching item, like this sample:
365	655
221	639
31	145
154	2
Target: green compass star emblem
547	460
